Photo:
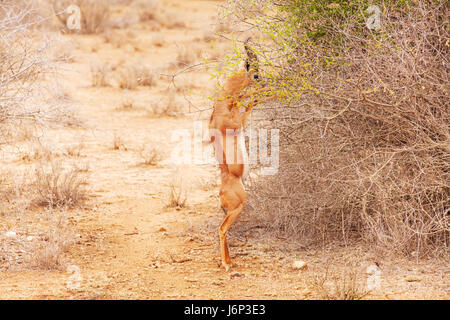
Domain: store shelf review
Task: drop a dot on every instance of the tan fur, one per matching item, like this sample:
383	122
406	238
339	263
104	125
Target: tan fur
226	115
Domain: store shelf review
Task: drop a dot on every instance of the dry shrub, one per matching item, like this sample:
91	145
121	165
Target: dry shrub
74	150
346	284
145	76
39	151
94	14
49	253
168	107
127	104
116	39
118	143
100	74
48	256
40	238
57	186
12	191
188	55
178	193
30	101
153	14
130	77
41	245
26	72
171	20
365	148
147	10
150	155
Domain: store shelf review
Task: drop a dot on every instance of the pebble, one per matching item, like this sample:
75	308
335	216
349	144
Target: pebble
299	265
10	234
236	275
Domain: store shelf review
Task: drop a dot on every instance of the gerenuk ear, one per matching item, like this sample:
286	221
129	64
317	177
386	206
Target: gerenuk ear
247	65
252	60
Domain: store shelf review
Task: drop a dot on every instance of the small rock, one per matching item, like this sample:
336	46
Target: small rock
162	229
373	269
299	265
10	234
217	283
373	277
412	279
236	275
29	238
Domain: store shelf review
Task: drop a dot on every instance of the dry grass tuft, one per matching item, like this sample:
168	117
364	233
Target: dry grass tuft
59	187
13	187
118	143
116	39
150	155
49	253
39	151
171	20
41	245
74	150
153	14
344	285
127	105
158	40
178	193
188	55
145	76
100	74
130	77
148	10
168	107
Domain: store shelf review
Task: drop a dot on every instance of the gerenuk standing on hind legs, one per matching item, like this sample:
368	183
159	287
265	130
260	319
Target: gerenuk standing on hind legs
225	127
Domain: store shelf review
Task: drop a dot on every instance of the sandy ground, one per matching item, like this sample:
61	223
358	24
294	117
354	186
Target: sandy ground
129	244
